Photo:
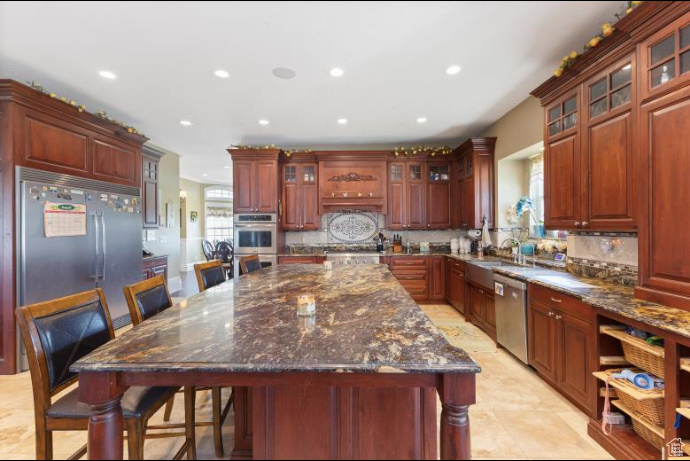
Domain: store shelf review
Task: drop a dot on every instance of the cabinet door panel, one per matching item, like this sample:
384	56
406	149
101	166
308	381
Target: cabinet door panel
562	183
575	378
438	216
610	162
310	199
437	279
542	340
416	196
490	312
291	207
115	163
53	144
150	204
396	206
476	298
243	172
664	251
467	204
266	186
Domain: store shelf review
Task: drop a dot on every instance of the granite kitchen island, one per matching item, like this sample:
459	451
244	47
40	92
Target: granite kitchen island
357	381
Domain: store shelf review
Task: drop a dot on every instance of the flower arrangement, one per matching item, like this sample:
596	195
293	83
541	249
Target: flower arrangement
420	150
552	246
288	152
606	31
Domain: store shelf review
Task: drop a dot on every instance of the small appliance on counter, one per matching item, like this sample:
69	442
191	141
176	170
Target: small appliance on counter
424	247
454	245
475	237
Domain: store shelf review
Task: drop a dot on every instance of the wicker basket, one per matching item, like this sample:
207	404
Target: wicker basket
652	410
647	434
647	403
643	359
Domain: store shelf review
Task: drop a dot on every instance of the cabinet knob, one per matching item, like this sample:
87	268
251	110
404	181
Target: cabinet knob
332	194
428	225
551	314
558	317
577	224
585	224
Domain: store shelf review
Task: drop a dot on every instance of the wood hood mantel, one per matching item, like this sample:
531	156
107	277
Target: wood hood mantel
352	180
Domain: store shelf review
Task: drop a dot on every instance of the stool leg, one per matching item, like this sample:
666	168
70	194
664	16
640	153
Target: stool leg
135	439
168	409
190	421
44	442
217	403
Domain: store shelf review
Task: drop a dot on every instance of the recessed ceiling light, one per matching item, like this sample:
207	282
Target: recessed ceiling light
336	72
205	175
284	73
452	70
185	123
220	73
264	122
421	120
107	74
227	167
342	121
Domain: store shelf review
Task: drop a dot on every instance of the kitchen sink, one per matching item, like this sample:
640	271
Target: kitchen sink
482	272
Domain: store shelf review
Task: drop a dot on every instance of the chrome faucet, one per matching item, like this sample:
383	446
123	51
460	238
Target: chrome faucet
519	258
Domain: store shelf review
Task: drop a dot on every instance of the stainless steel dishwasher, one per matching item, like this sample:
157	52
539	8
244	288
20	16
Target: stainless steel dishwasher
511	315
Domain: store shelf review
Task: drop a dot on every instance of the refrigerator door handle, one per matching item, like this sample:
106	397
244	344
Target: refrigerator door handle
96	274
103	245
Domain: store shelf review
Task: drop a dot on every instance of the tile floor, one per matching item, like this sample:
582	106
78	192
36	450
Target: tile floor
517	416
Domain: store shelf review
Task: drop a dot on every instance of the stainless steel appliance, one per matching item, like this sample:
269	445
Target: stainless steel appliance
511	315
256	234
109	256
353	259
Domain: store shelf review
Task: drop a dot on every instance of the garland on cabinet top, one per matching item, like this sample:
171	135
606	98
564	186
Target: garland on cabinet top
82	108
397	151
606	31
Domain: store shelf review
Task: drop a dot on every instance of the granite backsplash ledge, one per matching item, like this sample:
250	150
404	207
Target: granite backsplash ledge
321	248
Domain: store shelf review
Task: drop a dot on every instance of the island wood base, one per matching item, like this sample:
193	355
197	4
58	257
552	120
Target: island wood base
310	415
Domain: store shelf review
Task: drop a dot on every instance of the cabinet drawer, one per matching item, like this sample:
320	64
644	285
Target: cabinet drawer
297	260
409	276
562	302
409	261
457	265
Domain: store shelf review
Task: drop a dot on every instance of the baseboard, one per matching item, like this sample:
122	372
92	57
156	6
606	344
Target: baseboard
174	284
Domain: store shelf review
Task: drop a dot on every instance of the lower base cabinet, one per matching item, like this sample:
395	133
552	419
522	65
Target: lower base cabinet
456	284
482	309
561	345
155	266
300	259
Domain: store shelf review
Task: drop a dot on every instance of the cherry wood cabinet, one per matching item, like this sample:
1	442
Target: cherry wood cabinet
423	276
562	164
664	250
437	279
407	202
439	195
352	180
255	180
300	259
482	309
43	133
149	187
300	196
155	266
456	284
472	186
561	344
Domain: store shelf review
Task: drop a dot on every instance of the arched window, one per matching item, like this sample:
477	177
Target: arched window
218	208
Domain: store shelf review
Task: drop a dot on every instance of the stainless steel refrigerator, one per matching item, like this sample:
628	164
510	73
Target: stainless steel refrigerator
107	256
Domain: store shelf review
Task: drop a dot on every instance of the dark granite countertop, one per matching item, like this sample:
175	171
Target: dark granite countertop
609	297
365	322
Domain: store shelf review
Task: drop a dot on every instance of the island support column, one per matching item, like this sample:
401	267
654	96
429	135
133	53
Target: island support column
103	393
457	392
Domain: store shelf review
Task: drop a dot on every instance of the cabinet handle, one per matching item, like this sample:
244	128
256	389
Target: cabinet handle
556	300
481	292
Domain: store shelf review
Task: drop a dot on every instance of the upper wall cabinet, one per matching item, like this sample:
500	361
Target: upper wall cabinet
665	58
609	163
300	198
255	180
149	187
407	204
472	185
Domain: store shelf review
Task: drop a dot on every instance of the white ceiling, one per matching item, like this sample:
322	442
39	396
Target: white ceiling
394	55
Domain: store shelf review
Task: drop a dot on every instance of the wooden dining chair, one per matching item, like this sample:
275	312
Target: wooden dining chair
208	249
209	274
249	264
225	254
58	333
148	298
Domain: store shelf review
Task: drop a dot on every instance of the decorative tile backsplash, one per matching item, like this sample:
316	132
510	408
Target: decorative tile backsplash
357	227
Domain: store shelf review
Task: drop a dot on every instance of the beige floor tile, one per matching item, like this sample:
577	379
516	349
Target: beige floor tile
490	440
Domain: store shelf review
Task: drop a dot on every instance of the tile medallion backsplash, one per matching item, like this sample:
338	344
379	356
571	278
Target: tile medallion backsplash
357	227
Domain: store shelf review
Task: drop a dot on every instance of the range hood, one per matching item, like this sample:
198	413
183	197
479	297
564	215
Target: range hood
353	181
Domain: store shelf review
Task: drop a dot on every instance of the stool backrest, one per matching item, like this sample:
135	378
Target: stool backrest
148	298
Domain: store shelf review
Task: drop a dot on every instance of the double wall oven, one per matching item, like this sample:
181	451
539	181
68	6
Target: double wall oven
256	234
